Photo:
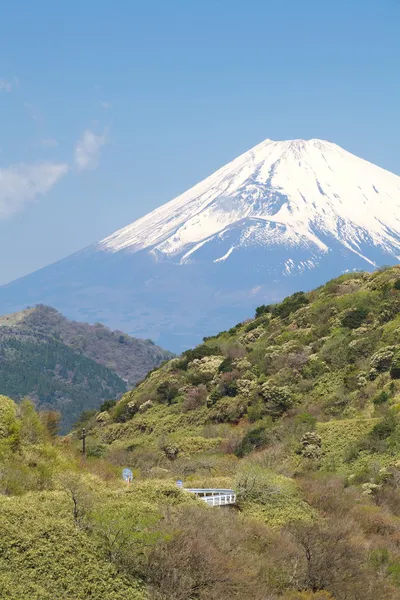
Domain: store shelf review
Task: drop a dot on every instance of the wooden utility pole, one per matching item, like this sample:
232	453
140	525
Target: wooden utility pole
84	442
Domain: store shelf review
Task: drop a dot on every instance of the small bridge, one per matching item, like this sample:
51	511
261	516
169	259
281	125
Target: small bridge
214	497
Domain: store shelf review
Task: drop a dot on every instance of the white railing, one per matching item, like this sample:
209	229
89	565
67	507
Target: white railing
214	497
219	500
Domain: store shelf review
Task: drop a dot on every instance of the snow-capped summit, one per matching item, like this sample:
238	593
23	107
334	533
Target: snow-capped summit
281	217
292	192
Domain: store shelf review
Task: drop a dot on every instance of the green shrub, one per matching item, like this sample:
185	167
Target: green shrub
201	351
354	318
167	392
262	310
107	405
396	284
254	439
383	429
213	398
277	399
381	398
228	410
382	360
226	366
290	305
395	367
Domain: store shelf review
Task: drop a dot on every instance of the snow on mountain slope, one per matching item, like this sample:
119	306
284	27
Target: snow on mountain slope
309	190
283	217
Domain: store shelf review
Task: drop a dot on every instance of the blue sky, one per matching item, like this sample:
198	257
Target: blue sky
109	108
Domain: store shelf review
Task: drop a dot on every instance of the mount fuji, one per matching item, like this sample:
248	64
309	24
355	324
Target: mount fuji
281	217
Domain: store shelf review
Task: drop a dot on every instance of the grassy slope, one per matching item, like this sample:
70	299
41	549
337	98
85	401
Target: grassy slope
287	408
310	365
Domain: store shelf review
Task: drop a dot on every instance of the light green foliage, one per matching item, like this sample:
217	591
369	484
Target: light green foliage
338	437
297	410
8	411
44	556
266	496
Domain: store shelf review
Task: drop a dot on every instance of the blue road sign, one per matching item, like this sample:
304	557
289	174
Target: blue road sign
179	483
127	475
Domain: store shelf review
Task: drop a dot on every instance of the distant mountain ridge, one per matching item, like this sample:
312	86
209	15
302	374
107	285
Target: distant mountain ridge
281	217
69	366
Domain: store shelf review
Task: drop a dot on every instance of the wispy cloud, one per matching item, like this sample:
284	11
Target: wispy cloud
105	104
22	184
7	85
87	151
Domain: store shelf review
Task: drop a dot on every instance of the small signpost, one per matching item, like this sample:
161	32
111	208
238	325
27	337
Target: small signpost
179	483
127	476
83	438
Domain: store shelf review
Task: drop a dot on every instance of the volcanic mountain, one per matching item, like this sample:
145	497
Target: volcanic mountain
281	217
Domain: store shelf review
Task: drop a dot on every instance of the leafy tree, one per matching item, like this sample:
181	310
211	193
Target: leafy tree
253	439
354	318
262	310
107	405
290	305
167	391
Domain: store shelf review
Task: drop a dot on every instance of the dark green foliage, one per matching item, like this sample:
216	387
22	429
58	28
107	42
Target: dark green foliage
395	367
68	366
181	365
234	329
167	392
56	376
197	353
200	352
130	357
383	429
262	310
107	405
290	305
213	398
229	389
250	326
396	284
254	439
199	378
381	398
95	450
226	366
354	318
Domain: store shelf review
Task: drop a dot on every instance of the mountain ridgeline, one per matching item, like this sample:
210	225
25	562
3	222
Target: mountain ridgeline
281	217
68	366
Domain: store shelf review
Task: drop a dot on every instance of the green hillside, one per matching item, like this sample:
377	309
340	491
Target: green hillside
303	400
131	358
67	366
297	409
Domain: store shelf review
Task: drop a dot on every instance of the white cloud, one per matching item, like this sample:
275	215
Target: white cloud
7	85
87	150
21	184
105	104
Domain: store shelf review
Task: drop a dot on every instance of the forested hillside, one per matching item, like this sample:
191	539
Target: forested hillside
131	358
67	366
297	409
